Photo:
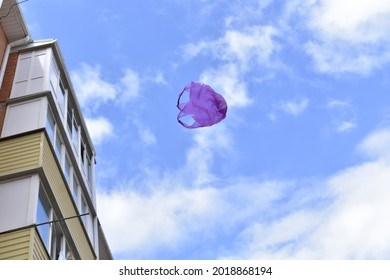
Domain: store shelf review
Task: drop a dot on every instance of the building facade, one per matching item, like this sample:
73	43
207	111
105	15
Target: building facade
47	159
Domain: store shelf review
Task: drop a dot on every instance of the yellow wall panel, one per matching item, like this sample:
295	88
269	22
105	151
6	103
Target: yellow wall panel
15	245
19	154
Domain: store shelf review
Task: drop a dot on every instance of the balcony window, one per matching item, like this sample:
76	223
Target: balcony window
44	214
61	97
89	171
58	147
67	170
50	125
82	154
75	135
75	191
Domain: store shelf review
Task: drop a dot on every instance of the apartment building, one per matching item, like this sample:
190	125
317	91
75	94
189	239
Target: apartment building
47	158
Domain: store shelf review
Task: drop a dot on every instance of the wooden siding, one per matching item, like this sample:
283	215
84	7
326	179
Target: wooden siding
20	154
23	244
64	199
15	245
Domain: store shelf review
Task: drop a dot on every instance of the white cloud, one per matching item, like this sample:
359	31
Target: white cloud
349	223
146	135
226	80
295	108
159	79
339	217
99	129
91	89
345	126
130	86
336	103
349	36
142	224
345	119
208	143
244	47
333	58
377	144
368	21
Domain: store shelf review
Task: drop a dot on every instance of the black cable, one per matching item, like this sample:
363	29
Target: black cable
9	11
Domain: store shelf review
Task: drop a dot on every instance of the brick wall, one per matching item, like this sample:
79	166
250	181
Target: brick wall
5	90
3	44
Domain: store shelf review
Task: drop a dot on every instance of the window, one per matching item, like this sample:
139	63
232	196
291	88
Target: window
67	170
44	213
56	242
89	170
87	219
69	118
61	97
84	208
82	153
75	135
58	147
75	190
54	77
59	246
50	125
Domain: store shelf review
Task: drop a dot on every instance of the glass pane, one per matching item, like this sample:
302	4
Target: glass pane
82	150
75	135
67	170
75	190
61	97
50	125
58	147
43	216
83	210
89	171
69	118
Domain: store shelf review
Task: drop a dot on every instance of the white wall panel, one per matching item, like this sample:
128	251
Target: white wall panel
31	73
26	116
18	200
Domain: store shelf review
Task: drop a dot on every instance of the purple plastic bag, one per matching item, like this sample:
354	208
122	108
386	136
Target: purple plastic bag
200	106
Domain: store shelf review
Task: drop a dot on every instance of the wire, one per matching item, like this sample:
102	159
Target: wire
9	11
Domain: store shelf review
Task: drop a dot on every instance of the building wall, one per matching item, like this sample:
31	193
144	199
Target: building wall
64	200
6	86
24	116
15	245
20	154
18	202
32	152
3	44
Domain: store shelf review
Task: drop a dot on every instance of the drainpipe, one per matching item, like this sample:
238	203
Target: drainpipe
17	43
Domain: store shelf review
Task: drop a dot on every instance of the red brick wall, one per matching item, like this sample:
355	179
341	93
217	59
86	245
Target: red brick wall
6	87
3	44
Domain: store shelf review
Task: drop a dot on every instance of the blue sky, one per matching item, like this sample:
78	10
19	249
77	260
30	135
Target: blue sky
300	167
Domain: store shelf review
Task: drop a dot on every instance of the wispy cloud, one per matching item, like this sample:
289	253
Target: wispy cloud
146	135
99	129
227	80
294	108
377	144
344	119
91	89
250	45
130	86
345	126
356	44
338	217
